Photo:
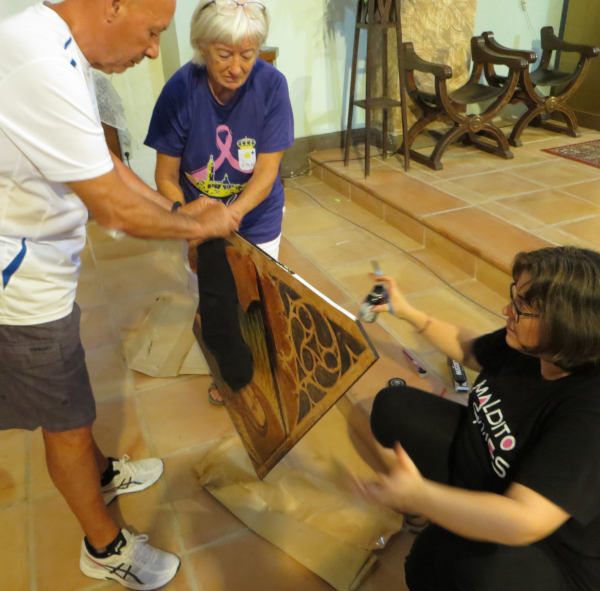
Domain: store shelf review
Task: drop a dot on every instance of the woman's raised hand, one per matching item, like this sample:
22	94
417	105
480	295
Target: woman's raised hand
397	304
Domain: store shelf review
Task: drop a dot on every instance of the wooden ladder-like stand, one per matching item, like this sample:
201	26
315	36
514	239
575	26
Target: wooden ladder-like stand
377	16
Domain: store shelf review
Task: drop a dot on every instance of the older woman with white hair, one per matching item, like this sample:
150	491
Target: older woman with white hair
223	120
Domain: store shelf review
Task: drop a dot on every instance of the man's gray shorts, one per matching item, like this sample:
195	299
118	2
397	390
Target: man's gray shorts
43	378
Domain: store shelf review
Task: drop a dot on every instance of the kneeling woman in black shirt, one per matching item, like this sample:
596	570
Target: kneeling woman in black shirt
511	483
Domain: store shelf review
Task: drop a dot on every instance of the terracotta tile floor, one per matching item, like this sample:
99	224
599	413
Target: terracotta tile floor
448	237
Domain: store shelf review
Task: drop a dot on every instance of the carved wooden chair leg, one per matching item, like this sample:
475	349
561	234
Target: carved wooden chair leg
568	115
523	123
447	140
419	126
501	146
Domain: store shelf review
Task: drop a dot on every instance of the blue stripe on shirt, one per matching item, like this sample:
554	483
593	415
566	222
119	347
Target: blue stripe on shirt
14	264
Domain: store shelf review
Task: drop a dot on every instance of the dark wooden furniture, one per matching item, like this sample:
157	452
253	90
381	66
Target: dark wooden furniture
376	16
445	105
268	54
561	83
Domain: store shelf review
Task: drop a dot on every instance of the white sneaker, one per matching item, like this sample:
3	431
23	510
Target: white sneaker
137	565
132	477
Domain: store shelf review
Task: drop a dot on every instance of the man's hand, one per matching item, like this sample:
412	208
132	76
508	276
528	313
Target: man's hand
199	204
216	219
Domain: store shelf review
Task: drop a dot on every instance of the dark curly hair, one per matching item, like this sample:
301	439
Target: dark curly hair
565	289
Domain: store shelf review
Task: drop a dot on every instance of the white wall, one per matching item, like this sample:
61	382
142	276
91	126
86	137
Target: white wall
517	23
8	7
315	40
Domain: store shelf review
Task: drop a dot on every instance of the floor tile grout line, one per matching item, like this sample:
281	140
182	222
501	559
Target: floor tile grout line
555	186
174	523
348	264
321	270
189	570
325	233
468	299
541	225
31	541
497	197
445	211
585	199
150	387
574	220
196	447
224	539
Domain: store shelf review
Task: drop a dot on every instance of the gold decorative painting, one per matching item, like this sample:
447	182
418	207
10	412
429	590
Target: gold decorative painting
306	353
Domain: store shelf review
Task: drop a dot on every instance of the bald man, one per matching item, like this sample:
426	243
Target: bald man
54	168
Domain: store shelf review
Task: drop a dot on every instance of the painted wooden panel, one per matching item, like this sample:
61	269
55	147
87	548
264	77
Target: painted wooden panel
307	352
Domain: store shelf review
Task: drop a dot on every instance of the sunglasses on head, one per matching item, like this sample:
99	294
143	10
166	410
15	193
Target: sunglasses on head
237	4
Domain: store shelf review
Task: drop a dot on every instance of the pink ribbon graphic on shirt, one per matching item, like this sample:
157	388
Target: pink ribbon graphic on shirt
224	154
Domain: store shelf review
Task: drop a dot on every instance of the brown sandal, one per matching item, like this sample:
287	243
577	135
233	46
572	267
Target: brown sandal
414	524
212	398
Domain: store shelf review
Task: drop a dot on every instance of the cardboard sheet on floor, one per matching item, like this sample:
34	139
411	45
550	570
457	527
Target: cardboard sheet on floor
164	345
305	505
307	351
162	342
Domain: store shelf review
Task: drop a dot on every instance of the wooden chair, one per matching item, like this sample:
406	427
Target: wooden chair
562	84
445	104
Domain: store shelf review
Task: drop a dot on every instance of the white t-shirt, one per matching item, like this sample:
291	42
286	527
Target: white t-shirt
50	134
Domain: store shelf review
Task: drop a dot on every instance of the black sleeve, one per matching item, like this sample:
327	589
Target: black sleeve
491	349
563	464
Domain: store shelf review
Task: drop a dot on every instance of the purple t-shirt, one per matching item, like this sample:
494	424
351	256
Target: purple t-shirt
218	144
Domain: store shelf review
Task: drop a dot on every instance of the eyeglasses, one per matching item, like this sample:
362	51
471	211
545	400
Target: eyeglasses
238	4
516	310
